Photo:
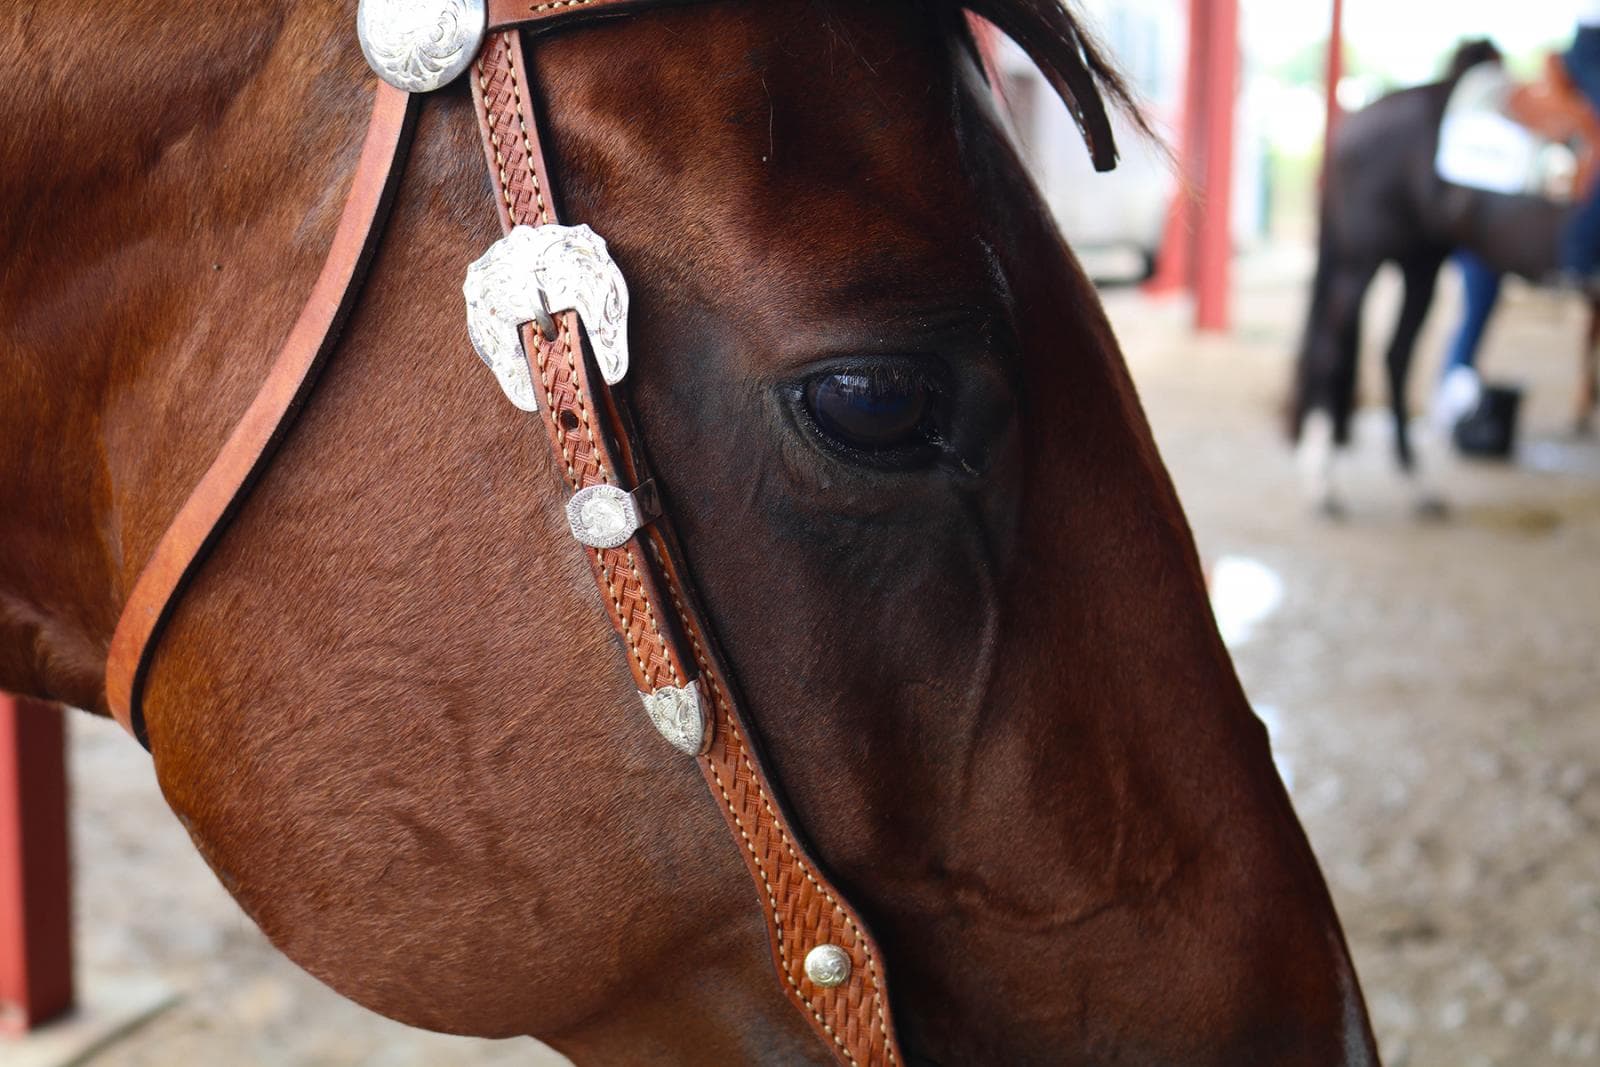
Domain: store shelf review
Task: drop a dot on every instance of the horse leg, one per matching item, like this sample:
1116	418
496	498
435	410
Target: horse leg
1589	375
1421	281
1328	366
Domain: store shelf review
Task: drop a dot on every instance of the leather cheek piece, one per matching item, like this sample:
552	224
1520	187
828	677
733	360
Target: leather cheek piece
255	438
653	610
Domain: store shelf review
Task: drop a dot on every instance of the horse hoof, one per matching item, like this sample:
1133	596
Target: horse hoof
1433	509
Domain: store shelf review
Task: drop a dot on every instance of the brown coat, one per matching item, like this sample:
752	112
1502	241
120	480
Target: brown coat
390	711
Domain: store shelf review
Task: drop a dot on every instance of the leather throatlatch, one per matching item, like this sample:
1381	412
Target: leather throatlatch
255	438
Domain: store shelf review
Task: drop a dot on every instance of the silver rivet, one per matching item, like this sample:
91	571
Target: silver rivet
828	966
420	45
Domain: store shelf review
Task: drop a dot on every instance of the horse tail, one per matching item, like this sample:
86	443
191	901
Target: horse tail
1302	399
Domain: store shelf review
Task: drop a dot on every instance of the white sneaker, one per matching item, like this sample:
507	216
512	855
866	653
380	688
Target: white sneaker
1456	398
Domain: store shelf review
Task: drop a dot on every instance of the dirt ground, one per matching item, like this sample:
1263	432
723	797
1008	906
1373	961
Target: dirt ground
1433	688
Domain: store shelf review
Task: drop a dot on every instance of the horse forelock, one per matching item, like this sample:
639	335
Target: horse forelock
1077	67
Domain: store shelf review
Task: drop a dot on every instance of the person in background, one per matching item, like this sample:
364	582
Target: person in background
1460	388
1580	246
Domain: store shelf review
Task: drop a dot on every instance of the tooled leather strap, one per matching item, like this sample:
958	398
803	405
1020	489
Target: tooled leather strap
505	14
254	439
803	911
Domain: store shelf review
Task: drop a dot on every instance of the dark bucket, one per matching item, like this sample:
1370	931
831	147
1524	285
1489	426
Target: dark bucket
1490	431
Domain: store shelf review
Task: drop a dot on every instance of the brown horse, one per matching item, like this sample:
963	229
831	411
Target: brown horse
974	639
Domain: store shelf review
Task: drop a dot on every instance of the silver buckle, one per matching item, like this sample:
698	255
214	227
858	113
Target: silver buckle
531	274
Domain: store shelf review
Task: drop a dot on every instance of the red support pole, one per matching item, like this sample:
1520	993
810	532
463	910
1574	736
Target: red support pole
1214	241
1333	75
1197	250
1176	265
35	867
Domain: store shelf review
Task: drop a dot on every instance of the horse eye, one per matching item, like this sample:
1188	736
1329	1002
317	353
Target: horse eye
871	410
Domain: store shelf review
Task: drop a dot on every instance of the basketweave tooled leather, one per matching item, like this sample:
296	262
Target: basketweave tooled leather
587	427
573	421
505	14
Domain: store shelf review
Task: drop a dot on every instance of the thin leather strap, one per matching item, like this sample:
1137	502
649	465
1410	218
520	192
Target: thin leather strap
504	14
1044	29
589	431
256	436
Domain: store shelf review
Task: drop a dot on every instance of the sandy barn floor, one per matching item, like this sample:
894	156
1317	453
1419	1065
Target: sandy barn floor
1433	688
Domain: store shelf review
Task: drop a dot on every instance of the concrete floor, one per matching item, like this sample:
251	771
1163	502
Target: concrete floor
1433	688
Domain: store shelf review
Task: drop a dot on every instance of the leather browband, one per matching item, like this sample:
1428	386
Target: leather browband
527	14
1075	82
256	436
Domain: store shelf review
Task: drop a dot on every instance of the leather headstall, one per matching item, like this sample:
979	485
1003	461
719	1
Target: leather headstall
525	298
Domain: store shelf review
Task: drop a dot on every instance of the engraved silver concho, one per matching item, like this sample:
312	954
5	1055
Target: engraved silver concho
828	966
420	45
545	269
680	716
603	516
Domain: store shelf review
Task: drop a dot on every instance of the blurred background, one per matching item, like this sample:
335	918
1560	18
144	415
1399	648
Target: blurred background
1430	682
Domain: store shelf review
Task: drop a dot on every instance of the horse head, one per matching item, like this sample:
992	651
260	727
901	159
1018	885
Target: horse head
913	484
1468	54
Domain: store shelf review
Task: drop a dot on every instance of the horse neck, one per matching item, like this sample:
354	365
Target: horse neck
174	175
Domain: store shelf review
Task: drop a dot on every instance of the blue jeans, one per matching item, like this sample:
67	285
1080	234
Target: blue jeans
1482	284
1580	242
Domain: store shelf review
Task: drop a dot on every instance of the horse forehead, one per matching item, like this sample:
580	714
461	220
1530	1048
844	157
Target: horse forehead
776	176
758	102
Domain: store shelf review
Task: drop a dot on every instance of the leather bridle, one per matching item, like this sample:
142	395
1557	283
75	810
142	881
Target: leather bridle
828	963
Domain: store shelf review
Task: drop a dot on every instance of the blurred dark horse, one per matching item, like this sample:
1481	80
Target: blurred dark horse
1384	202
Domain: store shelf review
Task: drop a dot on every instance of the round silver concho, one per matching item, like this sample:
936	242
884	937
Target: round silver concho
828	966
421	45
602	516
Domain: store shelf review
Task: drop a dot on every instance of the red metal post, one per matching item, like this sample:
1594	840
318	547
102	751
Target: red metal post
1333	75
1214	241
1197	251
35	867
1175	267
